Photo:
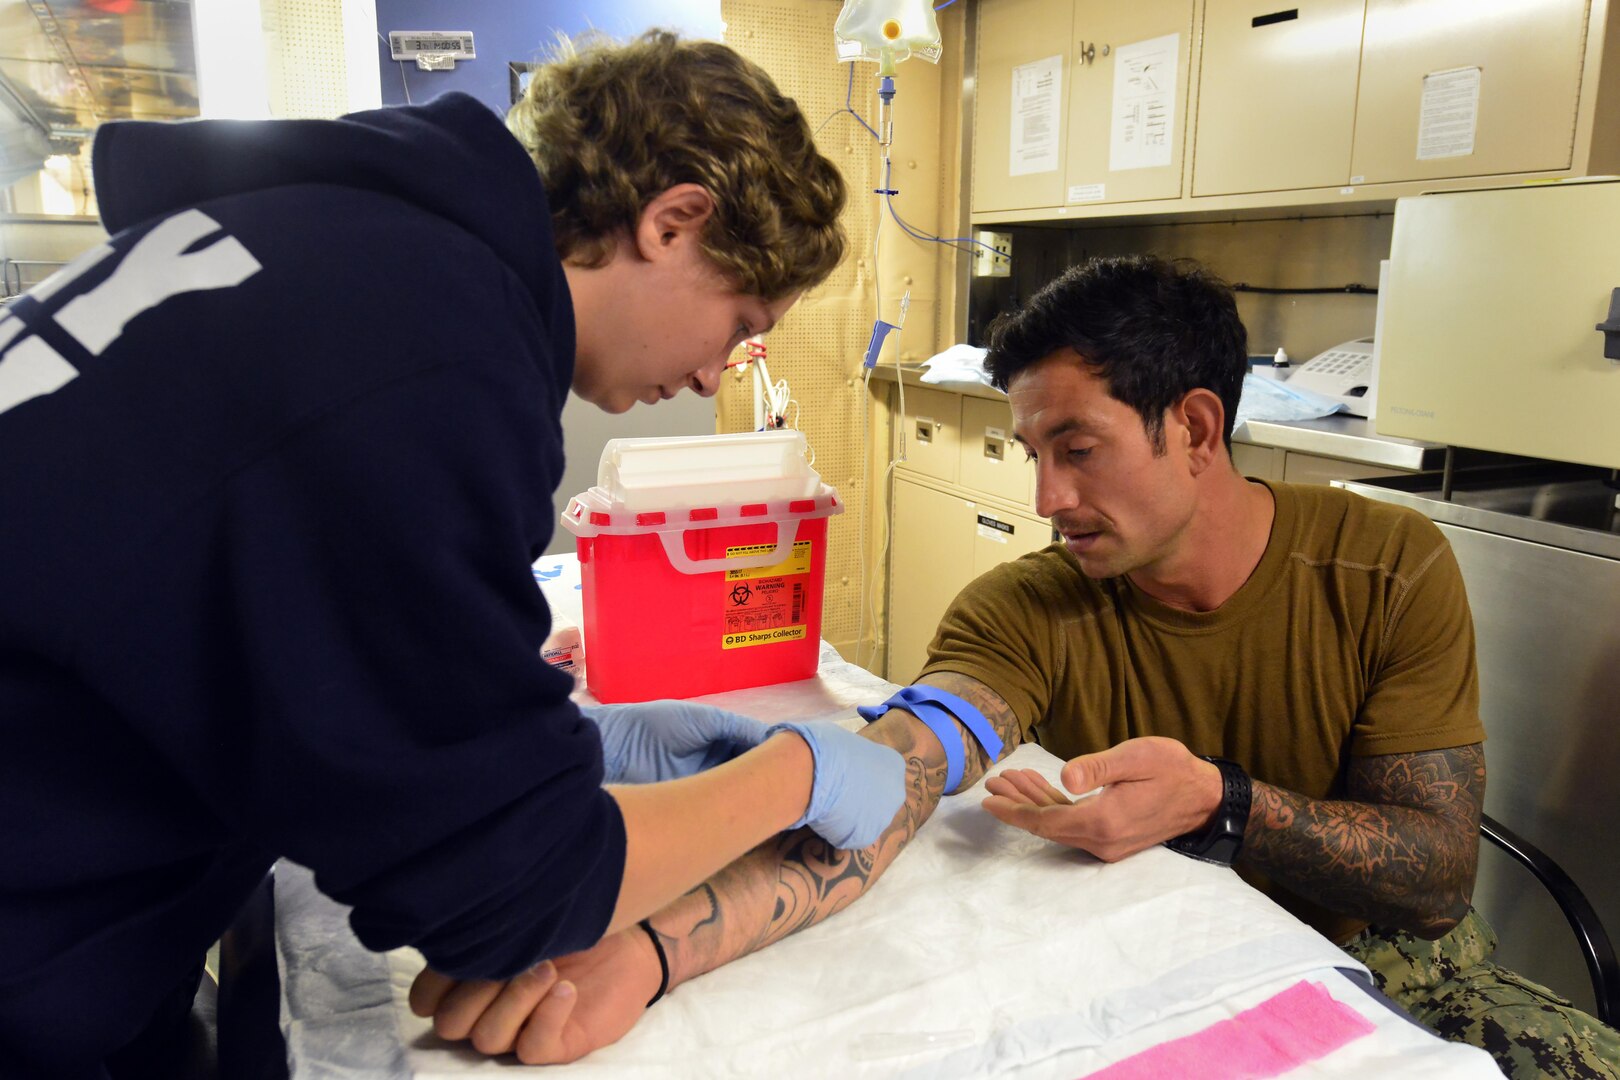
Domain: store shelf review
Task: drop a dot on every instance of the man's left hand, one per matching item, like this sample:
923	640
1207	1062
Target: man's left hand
558	1011
1153	789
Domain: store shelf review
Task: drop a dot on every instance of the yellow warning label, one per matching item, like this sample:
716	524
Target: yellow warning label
763	637
796	563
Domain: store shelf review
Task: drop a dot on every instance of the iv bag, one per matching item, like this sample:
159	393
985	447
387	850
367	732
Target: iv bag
887	31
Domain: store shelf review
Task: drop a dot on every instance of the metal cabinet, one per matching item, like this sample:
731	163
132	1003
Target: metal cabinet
1274	463
1276	95
929	563
1312	469
1455	88
1128	99
1122	91
1541	564
930	433
1265	462
1023	65
989	461
943	540
1358	92
1309	101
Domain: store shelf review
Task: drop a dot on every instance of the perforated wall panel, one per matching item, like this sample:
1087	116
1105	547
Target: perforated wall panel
817	348
305	61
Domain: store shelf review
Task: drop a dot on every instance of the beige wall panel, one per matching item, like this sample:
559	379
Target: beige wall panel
1013	33
305	62
1276	102
818	347
1530	81
924	121
811	347
1108	23
990	461
934	551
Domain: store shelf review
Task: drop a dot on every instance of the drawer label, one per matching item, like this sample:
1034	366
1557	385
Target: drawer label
992	529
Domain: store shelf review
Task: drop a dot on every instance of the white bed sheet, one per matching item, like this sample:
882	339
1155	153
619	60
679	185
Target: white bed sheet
1002	955
983	951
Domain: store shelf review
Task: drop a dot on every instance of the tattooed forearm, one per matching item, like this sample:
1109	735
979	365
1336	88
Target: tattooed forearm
798	879
1401	854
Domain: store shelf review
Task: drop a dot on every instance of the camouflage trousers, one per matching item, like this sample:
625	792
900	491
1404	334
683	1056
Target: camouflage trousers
1452	987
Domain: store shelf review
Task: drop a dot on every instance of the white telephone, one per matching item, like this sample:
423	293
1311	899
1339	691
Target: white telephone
1344	372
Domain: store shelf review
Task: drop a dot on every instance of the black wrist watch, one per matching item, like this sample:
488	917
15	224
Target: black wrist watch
1222	839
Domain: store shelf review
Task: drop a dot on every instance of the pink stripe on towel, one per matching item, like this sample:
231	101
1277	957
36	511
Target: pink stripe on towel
1303	1023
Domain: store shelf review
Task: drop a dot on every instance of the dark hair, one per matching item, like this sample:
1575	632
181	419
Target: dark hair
610	126
1151	329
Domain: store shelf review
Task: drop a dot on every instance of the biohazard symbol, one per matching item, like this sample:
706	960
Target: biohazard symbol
741	594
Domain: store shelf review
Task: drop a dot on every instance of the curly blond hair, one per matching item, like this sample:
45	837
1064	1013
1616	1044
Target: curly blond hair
610	126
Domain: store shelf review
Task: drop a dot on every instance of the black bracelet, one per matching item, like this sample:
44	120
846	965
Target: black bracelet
663	961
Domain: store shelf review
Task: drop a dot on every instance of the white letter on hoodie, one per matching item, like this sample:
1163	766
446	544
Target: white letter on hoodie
153	271
31	369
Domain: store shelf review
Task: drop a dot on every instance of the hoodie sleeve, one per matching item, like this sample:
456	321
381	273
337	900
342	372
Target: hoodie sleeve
339	650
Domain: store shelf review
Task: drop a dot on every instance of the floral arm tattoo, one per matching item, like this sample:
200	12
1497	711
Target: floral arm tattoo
798	879
1400	852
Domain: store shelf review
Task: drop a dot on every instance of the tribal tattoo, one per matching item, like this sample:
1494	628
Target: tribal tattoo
798	879
1402	854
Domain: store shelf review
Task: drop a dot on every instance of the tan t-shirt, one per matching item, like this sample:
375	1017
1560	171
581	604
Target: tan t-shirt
1352	637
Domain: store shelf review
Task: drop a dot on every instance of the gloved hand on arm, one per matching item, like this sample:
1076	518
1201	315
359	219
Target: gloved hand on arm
859	784
651	741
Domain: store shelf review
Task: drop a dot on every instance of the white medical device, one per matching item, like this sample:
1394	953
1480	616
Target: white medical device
1342	370
887	32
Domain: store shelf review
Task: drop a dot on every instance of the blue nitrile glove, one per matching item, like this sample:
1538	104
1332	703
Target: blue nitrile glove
858	786
666	740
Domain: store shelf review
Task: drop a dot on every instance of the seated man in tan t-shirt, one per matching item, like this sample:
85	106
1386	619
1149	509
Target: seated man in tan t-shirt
1318	644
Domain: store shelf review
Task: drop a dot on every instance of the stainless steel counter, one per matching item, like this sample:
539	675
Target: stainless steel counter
1350	438
913	374
1342	436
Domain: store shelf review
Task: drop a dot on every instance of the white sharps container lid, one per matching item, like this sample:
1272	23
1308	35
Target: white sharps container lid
706	470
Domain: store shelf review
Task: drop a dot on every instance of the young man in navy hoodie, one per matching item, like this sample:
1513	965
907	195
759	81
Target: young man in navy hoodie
277	459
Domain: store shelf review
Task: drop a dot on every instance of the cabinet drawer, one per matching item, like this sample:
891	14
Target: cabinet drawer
930	432
1311	469
1000	537
1266	462
990	461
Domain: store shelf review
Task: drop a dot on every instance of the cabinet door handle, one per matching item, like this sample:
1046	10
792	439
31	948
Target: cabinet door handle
1087	53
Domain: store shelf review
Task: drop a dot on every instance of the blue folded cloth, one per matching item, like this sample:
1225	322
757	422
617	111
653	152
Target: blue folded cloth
1269	399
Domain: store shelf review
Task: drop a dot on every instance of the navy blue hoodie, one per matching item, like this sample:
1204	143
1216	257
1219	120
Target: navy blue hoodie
273	466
